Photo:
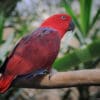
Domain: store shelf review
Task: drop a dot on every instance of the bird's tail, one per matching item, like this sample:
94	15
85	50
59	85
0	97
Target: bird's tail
5	82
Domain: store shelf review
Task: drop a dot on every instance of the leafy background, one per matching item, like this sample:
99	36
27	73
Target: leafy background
20	17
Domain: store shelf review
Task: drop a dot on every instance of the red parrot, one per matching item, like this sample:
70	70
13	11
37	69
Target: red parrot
35	52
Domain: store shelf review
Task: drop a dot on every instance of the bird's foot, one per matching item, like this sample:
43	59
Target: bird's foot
52	72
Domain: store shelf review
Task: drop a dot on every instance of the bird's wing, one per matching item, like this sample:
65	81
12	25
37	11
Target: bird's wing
3	66
33	52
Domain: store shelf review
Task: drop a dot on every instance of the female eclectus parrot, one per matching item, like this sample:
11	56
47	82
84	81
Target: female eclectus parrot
35	52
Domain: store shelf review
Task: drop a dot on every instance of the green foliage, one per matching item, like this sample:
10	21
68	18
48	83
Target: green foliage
84	24
4	47
7	6
78	56
23	27
85	11
95	19
88	55
2	21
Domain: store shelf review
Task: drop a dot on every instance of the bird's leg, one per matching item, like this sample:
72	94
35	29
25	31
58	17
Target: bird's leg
53	71
50	74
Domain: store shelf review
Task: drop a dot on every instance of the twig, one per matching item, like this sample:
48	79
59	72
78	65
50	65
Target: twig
61	80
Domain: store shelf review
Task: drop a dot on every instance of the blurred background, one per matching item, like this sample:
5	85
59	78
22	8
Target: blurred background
82	51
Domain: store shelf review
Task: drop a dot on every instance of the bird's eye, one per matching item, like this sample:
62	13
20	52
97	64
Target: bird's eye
63	17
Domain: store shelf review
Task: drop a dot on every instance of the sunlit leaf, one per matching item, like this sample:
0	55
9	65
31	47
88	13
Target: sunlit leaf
78	56
95	18
5	46
2	20
85	15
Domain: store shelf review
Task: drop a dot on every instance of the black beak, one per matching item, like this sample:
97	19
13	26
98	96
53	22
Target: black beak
71	26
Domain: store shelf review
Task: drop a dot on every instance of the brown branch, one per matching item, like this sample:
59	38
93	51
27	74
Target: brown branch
61	80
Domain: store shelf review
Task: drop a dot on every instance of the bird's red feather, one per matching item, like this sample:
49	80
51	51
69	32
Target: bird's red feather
35	51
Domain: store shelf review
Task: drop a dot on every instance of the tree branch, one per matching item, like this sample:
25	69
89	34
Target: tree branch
61	80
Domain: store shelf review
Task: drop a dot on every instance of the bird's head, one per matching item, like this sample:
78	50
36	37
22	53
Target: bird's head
61	22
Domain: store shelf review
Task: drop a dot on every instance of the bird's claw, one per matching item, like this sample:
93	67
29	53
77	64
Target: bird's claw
50	76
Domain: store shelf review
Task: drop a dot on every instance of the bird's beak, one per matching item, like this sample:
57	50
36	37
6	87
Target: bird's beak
71	26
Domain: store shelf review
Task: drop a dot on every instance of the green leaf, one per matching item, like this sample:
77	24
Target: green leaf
5	46
95	18
78	56
85	14
2	21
